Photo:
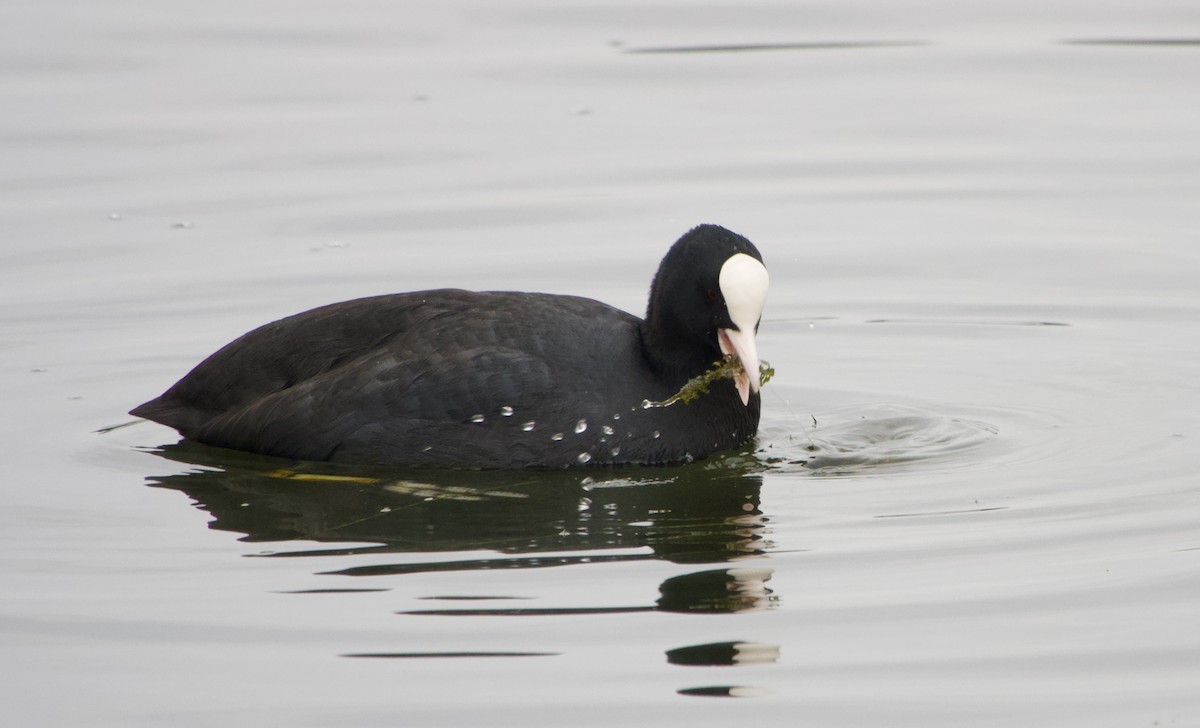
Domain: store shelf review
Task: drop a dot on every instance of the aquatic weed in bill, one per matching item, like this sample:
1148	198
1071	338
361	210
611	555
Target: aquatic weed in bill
727	367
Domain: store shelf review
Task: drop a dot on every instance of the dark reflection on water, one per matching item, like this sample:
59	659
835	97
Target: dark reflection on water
532	612
726	654
717	591
1159	42
797	46
714	591
726	691
427	655
702	513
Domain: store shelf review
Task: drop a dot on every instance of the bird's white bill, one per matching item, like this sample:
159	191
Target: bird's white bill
744	282
741	344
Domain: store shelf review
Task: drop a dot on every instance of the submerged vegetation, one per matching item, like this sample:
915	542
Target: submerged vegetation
728	367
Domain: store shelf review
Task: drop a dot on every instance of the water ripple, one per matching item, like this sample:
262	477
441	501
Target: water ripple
860	441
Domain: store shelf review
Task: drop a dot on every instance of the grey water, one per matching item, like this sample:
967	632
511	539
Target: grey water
974	497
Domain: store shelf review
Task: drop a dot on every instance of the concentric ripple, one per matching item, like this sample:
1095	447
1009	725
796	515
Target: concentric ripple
862	440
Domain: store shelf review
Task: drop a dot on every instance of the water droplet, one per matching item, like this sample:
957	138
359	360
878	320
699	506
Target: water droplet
528	426
182	225
115	216
616	451
477	418
688	457
647	404
580	426
385	509
556	436
656	434
427	448
606	430
583	458
616	415
506	411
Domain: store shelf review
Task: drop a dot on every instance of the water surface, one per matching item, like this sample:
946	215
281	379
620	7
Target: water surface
973	499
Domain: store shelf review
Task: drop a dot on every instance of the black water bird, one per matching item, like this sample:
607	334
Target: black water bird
494	379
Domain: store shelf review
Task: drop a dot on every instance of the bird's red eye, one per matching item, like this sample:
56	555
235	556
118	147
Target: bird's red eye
712	297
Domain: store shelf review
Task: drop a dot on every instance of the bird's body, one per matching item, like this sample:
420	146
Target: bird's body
463	379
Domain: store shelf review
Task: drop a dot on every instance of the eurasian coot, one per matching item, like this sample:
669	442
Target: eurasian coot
493	379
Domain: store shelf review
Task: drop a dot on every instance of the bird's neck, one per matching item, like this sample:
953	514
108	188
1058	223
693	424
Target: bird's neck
673	355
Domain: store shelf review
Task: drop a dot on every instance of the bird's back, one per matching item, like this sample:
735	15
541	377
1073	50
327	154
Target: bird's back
433	377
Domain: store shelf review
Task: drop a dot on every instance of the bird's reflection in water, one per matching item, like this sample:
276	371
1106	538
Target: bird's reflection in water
711	591
706	513
703	513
